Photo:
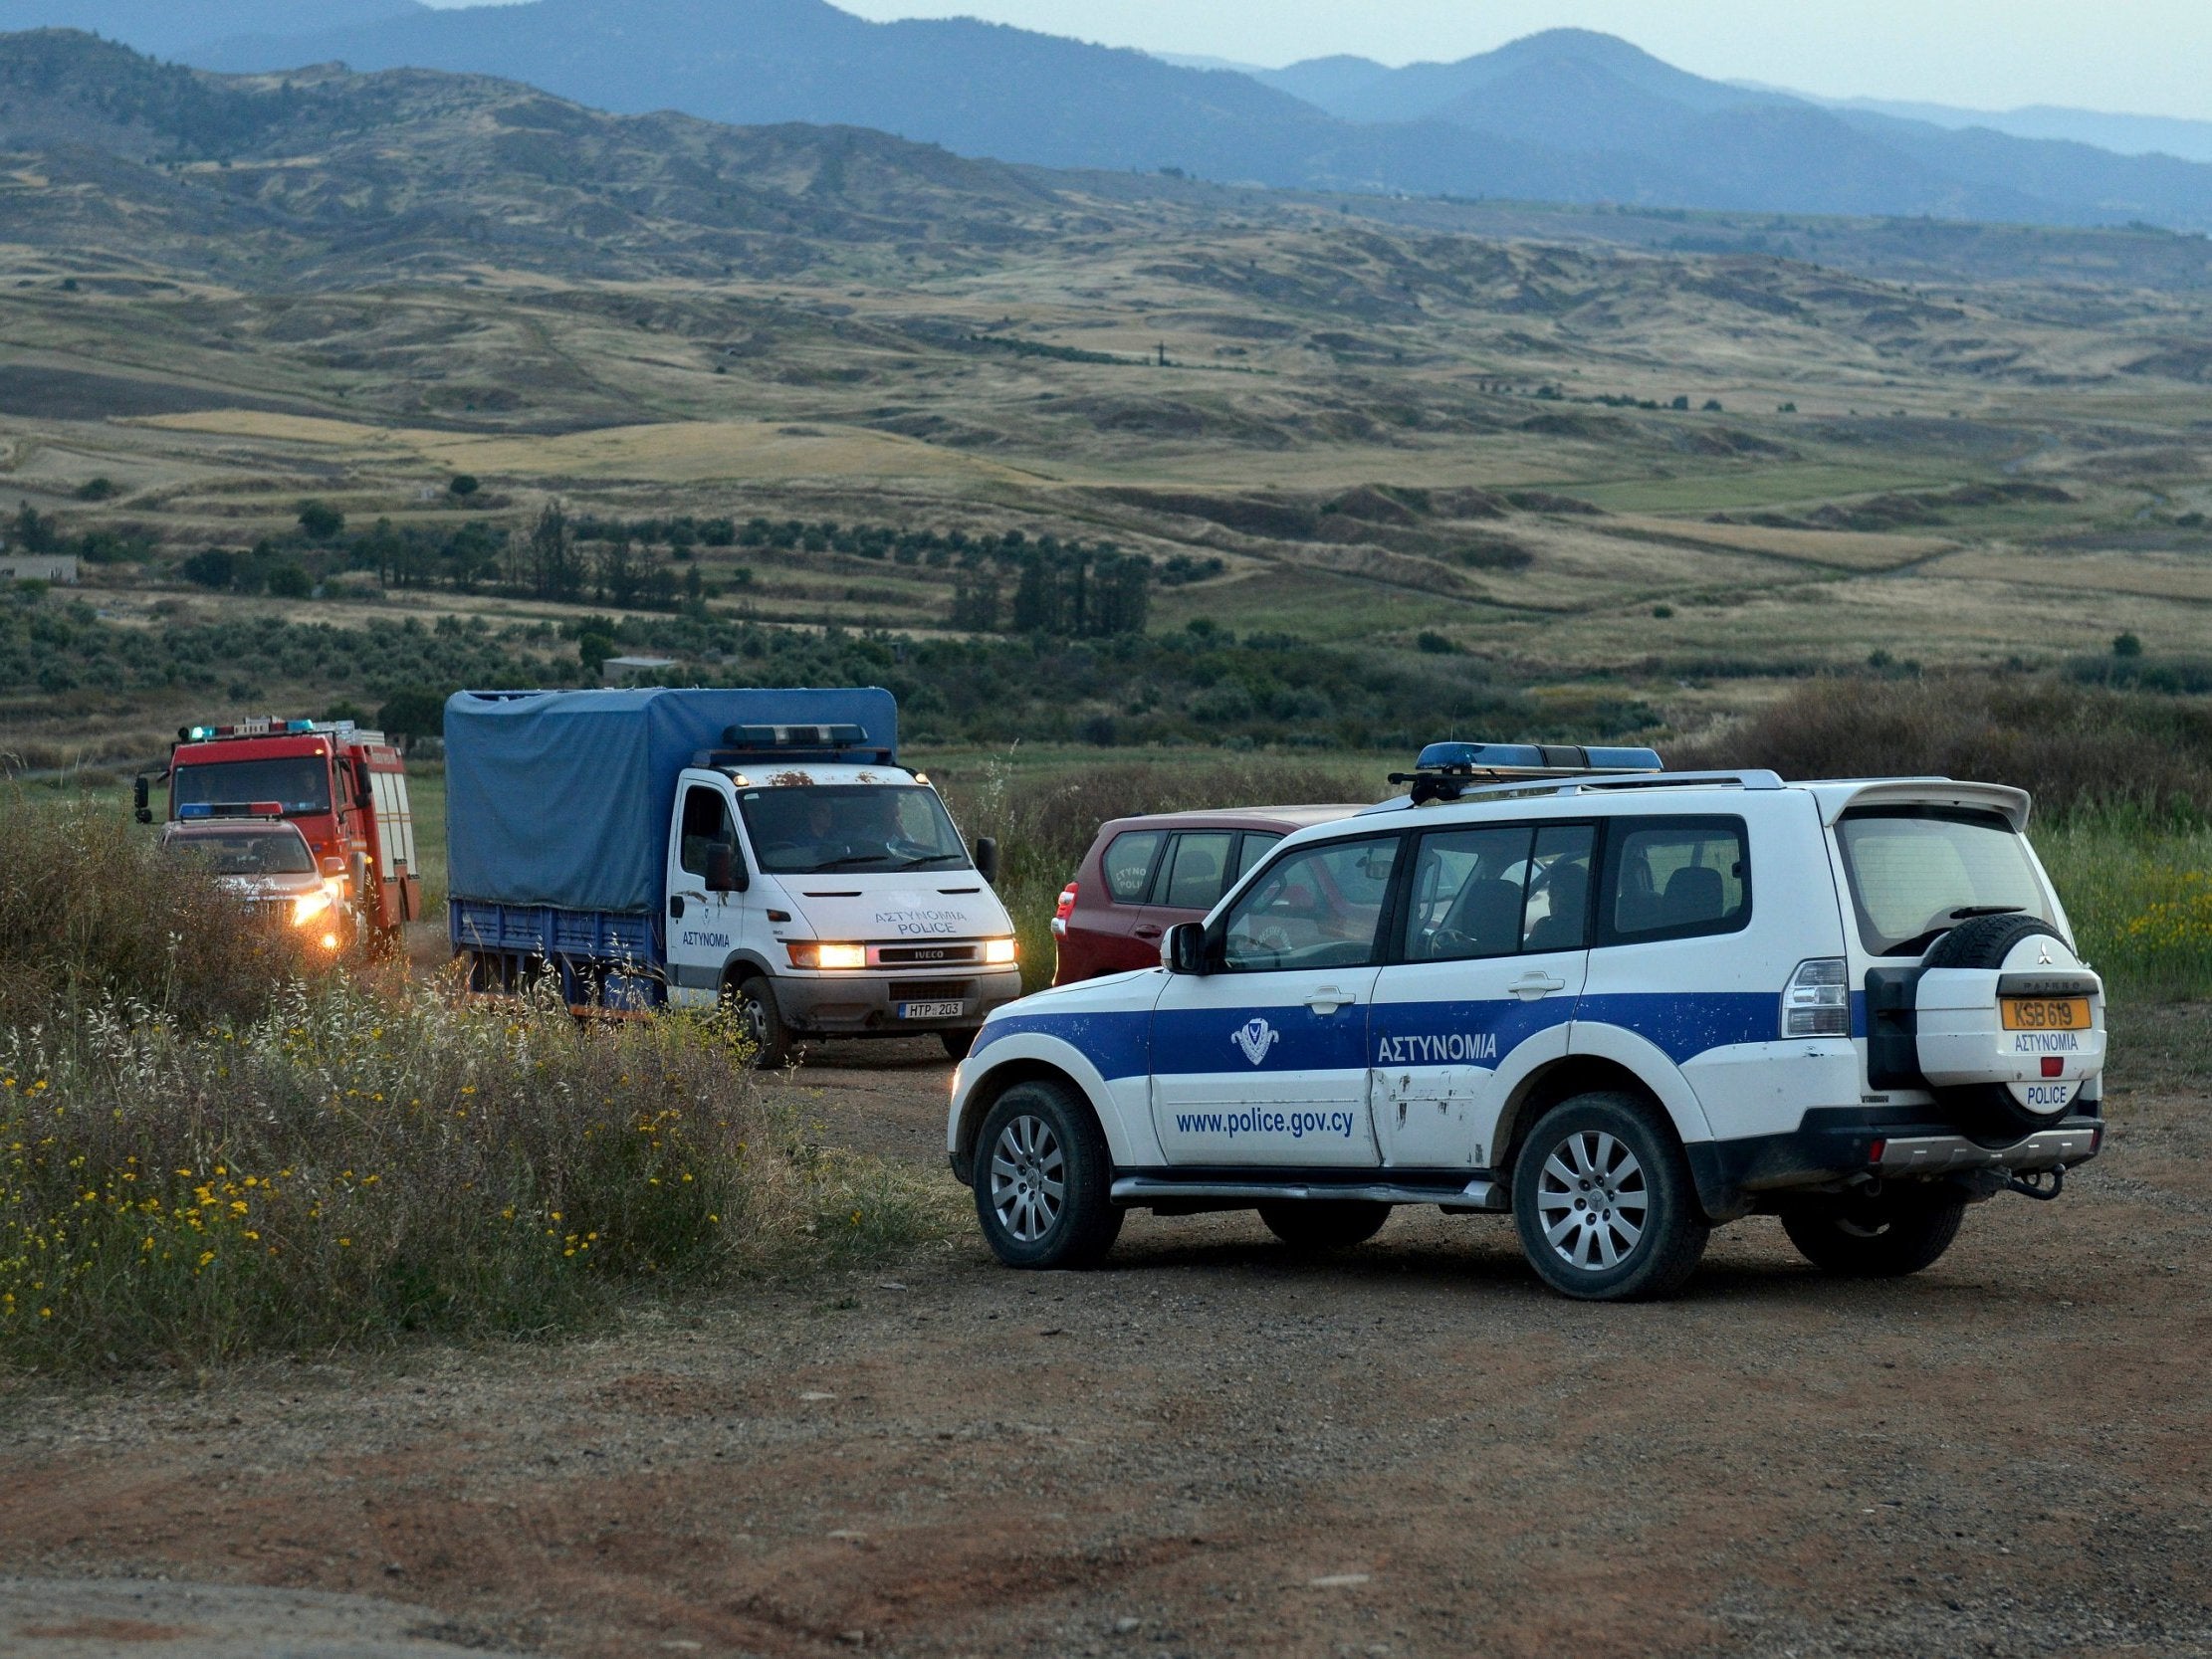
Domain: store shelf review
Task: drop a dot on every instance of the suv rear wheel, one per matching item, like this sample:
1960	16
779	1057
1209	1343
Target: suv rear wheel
1324	1224
1043	1181
1604	1201
1888	1237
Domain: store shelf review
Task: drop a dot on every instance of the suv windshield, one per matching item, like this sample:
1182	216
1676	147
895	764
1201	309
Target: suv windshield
296	783
247	852
1917	871
806	829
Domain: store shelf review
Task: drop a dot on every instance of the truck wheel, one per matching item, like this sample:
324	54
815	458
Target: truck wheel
956	1043
1043	1181
753	1001
1987	1110
1875	1238
1322	1224
1604	1201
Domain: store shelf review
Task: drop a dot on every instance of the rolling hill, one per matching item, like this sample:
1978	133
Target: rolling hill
1565	115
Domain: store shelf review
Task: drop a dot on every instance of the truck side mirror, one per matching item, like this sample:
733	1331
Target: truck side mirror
363	795
139	800
724	873
1184	948
986	859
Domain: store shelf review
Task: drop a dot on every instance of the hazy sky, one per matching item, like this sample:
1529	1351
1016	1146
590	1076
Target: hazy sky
2143	57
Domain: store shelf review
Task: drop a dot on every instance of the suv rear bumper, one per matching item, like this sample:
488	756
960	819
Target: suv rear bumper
1736	1178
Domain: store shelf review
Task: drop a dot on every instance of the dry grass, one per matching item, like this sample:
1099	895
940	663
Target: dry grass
92	913
2069	745
204	1155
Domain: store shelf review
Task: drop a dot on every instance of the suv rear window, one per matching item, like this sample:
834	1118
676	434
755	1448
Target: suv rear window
1917	871
1674	877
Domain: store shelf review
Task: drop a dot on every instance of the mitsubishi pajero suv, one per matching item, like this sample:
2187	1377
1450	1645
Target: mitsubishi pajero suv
1622	1005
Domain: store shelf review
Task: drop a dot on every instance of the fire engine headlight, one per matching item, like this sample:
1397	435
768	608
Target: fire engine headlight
808	953
999	952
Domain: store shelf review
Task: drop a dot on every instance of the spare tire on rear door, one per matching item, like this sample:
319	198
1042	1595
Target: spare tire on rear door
1995	1109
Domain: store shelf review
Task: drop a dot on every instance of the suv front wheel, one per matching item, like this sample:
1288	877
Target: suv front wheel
1043	1181
1603	1203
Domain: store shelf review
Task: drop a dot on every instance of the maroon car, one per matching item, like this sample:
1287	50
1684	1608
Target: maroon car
1144	875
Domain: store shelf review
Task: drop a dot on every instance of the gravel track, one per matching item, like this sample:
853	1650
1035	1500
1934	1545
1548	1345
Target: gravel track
1214	1448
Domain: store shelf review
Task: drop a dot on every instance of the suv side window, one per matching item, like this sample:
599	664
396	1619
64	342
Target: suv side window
1319	907
1499	890
1674	877
1196	868
1257	845
706	826
1128	865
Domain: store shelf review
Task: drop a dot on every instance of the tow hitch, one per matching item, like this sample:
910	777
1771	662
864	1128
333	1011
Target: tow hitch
2033	1184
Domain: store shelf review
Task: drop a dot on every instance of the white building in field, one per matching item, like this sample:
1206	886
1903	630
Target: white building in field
635	671
39	567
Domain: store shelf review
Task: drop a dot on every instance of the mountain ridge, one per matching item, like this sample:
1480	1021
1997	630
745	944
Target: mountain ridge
1565	115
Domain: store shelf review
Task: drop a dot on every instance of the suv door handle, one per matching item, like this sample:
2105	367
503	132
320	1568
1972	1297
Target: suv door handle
1530	986
1327	1000
1148	931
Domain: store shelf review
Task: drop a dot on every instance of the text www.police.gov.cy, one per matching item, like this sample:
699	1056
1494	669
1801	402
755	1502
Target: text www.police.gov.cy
1296	1124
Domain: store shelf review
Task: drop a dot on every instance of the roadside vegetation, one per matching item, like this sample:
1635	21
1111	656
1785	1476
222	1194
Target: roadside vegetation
205	1154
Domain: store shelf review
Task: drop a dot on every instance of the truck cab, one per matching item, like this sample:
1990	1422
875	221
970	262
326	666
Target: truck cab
830	899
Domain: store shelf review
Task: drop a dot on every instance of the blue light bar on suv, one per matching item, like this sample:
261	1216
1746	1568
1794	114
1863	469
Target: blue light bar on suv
1534	760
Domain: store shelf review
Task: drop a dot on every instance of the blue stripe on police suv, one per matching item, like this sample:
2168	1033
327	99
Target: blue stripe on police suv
1193	1042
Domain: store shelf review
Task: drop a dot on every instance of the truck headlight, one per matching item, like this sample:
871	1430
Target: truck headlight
999	952
808	953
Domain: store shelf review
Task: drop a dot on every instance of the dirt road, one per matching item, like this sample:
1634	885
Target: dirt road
1212	1448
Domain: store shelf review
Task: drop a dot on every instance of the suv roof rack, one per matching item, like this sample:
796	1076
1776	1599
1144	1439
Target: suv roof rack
1532	789
1445	771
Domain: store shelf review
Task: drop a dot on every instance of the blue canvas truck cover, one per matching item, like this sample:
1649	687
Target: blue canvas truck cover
563	798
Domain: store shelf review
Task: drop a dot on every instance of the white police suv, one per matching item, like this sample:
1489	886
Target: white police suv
1622	1005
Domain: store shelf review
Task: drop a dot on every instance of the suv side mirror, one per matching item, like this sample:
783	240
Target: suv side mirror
139	800
986	859
1184	948
724	873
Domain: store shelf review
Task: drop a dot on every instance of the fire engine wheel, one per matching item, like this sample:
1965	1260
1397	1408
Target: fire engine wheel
754	1002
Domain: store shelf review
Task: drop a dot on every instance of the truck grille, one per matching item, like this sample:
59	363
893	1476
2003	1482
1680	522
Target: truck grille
923	955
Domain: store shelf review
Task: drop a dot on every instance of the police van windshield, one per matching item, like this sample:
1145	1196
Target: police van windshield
295	782
1916	871
809	828
248	852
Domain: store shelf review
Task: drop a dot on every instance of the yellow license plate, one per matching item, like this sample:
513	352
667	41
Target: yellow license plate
2045	1013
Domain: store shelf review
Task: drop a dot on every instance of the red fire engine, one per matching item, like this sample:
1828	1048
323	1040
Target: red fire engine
345	789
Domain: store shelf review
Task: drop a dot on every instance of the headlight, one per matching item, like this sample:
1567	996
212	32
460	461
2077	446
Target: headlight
999	952
308	907
811	954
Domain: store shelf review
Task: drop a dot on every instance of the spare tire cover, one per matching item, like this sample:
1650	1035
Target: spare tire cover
1998	1111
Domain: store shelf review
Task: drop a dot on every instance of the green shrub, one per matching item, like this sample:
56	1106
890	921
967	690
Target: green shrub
361	1163
92	913
2067	745
2137	888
